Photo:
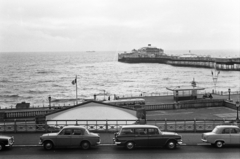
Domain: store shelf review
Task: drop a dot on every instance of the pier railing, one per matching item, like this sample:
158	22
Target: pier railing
195	125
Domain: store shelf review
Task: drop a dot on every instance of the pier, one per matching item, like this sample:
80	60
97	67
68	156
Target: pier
151	54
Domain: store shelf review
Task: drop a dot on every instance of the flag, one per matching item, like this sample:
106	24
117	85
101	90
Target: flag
74	81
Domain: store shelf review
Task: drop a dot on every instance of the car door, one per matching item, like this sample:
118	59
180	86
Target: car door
235	136
141	137
64	138
226	136
77	137
154	137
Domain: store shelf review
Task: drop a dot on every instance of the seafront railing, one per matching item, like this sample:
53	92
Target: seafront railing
195	125
181	105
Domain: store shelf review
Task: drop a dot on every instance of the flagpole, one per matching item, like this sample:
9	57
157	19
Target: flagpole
76	90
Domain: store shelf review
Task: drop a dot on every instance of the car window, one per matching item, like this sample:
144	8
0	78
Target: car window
153	131
77	132
127	131
68	132
235	131
141	131
226	131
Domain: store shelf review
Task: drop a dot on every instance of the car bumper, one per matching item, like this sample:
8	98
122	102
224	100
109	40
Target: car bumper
9	145
40	142
116	143
203	140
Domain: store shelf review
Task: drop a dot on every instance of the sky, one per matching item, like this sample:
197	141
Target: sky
118	25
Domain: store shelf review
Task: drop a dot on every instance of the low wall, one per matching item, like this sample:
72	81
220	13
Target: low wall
230	105
200	103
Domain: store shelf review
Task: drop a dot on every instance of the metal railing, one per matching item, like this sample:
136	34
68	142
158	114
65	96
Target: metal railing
195	125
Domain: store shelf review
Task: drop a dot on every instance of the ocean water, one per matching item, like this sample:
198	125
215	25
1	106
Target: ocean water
34	76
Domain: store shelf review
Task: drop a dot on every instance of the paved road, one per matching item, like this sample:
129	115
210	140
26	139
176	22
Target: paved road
114	152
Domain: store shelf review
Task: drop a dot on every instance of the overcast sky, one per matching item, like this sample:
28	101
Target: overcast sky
118	25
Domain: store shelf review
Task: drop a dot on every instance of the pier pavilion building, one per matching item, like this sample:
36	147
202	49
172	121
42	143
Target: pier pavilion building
91	110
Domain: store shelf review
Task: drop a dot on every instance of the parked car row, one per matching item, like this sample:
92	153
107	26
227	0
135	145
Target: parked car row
130	136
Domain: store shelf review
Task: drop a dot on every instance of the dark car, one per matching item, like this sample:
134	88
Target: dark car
146	136
70	136
6	141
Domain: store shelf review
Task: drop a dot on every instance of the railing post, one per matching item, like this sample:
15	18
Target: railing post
117	126
195	125
175	124
25	124
165	126
15	126
96	124
107	125
45	125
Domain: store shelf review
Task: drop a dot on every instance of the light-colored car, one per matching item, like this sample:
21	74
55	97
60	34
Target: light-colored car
6	141
132	136
223	134
70	136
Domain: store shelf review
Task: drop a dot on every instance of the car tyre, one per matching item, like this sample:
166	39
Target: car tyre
85	145
48	145
1	146
130	145
171	144
219	144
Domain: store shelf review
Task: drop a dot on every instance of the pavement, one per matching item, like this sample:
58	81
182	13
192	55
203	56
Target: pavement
32	139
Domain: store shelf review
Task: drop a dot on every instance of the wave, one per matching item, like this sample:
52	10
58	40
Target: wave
46	71
5	81
10	96
36	92
56	85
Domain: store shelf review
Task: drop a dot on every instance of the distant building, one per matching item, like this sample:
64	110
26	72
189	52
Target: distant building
150	50
23	105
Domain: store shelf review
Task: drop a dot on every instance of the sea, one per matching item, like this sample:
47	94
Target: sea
33	77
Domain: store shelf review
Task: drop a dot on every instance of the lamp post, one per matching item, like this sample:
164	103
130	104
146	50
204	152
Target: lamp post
229	91
49	99
237	105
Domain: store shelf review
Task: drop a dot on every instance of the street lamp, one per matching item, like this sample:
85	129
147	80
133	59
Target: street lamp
237	105
229	91
49	99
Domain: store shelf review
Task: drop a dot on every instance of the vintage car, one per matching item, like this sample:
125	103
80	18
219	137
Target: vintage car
6	141
70	136
132	136
221	135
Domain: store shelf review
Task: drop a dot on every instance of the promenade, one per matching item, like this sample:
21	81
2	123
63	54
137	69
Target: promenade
191	139
32	139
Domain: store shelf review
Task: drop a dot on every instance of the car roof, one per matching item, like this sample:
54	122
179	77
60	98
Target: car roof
139	126
74	127
227	126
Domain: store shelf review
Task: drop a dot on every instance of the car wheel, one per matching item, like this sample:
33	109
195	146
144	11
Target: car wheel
130	145
48	145
1	146
219	144
85	145
171	144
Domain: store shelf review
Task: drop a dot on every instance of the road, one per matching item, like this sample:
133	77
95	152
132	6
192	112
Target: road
114	152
